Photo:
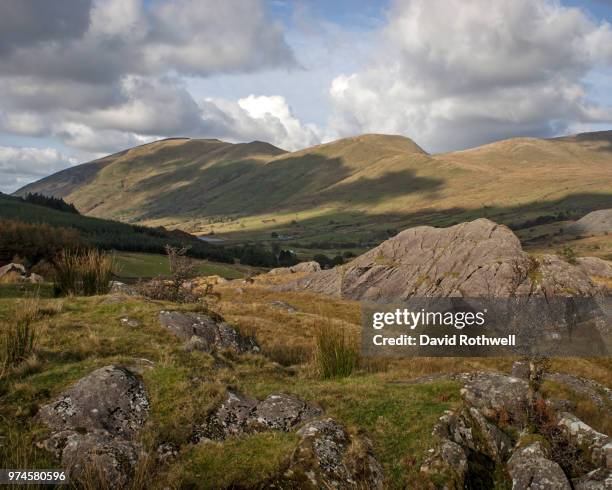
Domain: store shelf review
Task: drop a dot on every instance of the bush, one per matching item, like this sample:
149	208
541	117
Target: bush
336	354
84	274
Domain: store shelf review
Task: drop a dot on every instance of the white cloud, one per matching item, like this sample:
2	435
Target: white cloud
266	118
500	68
19	166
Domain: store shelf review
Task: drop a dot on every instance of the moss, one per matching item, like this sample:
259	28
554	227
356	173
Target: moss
386	261
246	462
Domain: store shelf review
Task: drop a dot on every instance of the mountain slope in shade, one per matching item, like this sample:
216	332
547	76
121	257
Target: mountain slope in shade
360	184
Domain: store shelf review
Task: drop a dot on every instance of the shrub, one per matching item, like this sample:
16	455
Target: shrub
336	354
569	254
87	273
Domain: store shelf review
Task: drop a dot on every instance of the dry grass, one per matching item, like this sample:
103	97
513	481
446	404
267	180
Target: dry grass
85	274
18	337
11	278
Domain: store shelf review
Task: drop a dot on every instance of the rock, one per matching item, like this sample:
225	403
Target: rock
597	446
475	259
309	267
94	422
109	461
496	395
214	334
117	287
36	279
282	412
446	467
596	267
281	305
111	398
599	394
130	322
166	453
240	414
231	418
521	370
328	457
600	479
15	268
530	468
473	432
595	223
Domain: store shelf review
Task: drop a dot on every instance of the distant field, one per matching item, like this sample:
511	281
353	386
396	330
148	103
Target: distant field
133	265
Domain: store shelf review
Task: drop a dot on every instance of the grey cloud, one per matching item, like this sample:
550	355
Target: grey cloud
30	22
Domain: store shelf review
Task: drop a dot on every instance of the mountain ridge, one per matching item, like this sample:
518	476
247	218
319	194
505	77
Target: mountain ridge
250	189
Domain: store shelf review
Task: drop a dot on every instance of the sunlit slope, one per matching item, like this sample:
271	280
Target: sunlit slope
360	183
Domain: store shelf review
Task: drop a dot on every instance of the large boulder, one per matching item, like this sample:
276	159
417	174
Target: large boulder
239	414
210	334
94	423
595	223
530	468
475	259
111	398
328	457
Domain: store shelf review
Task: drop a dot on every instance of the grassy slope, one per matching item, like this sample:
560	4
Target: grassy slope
78	335
135	265
354	188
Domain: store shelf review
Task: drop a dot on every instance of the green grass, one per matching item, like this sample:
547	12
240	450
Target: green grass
134	265
78	335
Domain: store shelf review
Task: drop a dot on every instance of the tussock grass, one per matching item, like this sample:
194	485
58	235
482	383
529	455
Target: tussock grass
18	337
85	274
336	354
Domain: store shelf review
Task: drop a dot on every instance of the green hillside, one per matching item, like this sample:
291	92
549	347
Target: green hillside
355	190
109	234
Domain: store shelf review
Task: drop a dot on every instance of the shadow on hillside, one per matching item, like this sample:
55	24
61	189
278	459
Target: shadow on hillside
251	187
370	229
604	137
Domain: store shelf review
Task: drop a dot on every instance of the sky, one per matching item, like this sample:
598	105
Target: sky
80	79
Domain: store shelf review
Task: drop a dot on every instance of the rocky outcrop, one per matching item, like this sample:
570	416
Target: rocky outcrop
595	267
597	446
497	395
94	423
18	272
205	333
99	456
595	223
111	398
475	259
447	464
239	414
479	439
600	479
530	468
328	457
309	267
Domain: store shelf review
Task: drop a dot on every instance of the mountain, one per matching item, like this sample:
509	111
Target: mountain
351	189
